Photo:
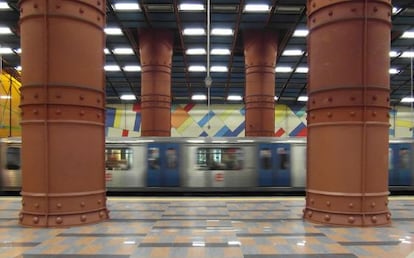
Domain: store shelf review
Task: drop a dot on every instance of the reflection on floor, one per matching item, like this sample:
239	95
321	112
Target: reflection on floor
208	227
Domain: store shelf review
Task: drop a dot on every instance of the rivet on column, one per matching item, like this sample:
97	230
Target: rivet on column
21	216
59	220
351	205
351	219
328	203
327	218
82	204
374	219
83	218
373	204
35	220
310	213
58	205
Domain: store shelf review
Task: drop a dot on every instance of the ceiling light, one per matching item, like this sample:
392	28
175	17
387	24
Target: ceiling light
112	68
18	68
407	99
113	31
5	97
6	50
191	7
300	33
199	97
123	51
222	32
195	51
128	97
396	10
408	35
218	68
276	98
302	69
234	97
394	71
18	50
303	98
4	5
132	68
197	68
283	69
293	52
256	8
126	6
394	53
220	51
408	54
5	30
106	51
194	31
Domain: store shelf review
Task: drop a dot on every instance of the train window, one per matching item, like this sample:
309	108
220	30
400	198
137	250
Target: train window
171	154
283	158
404	158
220	158
13	158
118	158
154	158
266	158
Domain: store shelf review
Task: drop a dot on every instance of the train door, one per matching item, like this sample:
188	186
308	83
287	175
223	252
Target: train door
163	165
400	164
274	167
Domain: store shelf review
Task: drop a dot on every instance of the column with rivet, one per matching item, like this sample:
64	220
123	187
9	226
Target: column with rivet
63	106
348	112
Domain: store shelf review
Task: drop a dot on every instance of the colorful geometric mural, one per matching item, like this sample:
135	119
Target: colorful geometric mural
194	120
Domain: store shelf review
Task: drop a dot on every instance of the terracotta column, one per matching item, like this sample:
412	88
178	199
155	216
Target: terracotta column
156	48
62	102
347	157
260	49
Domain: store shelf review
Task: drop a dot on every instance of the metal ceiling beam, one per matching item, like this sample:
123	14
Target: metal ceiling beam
180	30
233	49
285	85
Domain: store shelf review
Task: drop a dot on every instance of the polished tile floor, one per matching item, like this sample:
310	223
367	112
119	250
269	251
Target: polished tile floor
207	227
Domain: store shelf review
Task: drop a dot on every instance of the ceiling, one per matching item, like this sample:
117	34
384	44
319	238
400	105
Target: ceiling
284	16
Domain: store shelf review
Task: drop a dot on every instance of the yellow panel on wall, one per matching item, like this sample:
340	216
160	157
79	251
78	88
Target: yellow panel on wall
9	106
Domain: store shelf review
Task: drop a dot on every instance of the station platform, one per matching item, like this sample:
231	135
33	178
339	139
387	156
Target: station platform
249	227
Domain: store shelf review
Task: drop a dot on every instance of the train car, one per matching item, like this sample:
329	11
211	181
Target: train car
208	165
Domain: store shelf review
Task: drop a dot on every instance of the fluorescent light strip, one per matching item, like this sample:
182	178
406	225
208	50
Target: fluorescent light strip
408	35
113	31
234	97
197	68
112	68
300	33
191	7
394	71
5	30
128	97
132	68
283	69
408	54
6	50
220	51
199	97
194	31
4	6
195	51
407	100
293	52
303	98
256	8
126	6
123	51
221	32
302	70
218	68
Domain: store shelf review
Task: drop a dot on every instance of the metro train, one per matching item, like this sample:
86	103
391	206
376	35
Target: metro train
208	165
